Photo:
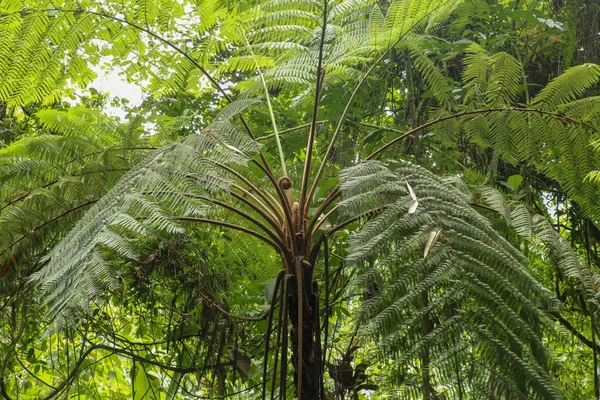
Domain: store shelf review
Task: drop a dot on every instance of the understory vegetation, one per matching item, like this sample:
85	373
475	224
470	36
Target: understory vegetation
316	199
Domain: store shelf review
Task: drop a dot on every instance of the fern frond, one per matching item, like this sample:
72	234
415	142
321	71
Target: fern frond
470	272
505	79
434	78
568	86
171	181
537	230
476	73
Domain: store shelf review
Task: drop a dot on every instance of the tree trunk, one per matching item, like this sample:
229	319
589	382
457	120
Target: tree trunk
308	388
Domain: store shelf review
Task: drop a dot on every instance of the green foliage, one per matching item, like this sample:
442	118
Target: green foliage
449	291
146	258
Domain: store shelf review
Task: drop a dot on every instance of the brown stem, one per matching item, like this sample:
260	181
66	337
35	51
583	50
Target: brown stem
299	328
333	195
261	212
268	332
303	201
284	340
326	322
276	245
234	209
322	220
278	344
283	201
266	196
250	218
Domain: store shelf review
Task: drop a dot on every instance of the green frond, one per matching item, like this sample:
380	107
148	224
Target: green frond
343	10
233	109
568	86
33	49
169	182
586	109
248	63
504	80
476	73
537	230
470	271
434	78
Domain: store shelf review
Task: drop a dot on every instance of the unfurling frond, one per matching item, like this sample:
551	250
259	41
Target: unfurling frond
443	276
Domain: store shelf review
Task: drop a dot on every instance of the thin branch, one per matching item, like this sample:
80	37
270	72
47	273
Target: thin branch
592	345
276	245
297	128
461	114
242	318
87	203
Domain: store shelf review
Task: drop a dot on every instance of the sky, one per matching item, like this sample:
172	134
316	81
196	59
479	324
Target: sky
116	86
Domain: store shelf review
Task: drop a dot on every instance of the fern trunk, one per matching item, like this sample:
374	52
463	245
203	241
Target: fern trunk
308	386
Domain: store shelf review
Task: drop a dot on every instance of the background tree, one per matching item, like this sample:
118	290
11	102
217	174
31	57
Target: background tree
369	195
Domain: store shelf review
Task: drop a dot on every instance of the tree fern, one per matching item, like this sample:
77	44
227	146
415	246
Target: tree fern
448	305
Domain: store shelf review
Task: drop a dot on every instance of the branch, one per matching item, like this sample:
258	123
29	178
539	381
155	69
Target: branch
460	114
574	332
362	80
215	305
304	202
277	246
87	203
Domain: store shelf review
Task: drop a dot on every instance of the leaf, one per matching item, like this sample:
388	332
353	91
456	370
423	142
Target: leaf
414	203
515	181
434	236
